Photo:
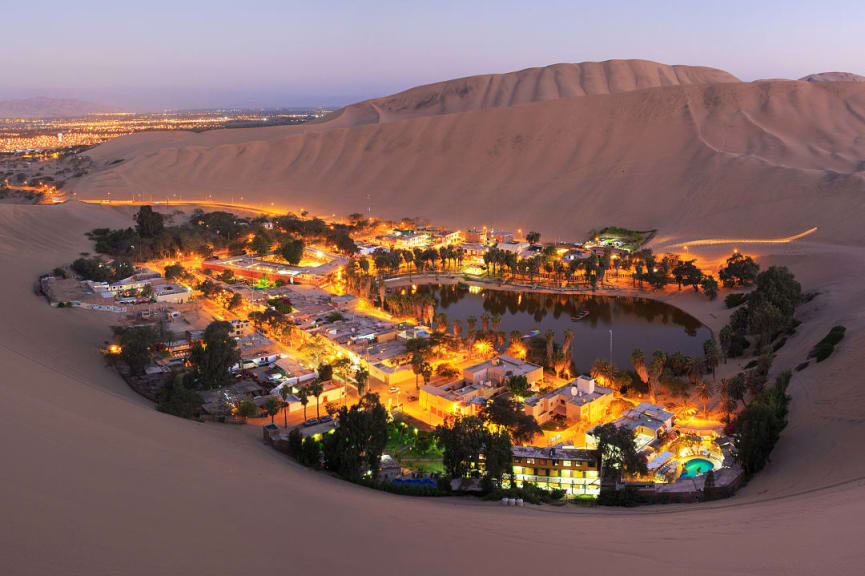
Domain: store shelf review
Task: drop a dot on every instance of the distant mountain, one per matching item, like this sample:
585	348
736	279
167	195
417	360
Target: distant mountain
833	77
42	107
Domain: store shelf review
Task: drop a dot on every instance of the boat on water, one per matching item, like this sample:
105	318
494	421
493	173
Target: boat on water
532	333
580	315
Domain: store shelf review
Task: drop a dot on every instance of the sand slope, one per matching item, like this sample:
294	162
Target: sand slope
524	87
791	152
96	482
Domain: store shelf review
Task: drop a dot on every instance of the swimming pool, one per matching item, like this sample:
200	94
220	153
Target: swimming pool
696	466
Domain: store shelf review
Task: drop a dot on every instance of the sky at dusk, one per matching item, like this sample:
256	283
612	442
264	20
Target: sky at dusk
211	53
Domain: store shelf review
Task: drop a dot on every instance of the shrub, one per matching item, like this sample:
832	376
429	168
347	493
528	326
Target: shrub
295	442
733	300
826	346
310	453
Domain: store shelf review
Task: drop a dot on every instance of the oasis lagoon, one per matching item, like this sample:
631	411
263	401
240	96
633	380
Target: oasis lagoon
636	322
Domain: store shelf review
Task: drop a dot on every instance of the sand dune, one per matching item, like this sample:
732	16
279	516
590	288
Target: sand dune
658	157
833	77
96	482
524	87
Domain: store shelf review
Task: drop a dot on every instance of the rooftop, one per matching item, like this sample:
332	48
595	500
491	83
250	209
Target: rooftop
554	453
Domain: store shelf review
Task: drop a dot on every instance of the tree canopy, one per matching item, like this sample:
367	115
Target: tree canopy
214	356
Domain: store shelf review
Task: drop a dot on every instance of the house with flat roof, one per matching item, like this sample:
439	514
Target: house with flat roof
502	367
171	292
646	420
572	470
580	400
458	398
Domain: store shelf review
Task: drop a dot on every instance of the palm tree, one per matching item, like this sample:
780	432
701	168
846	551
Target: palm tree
639	362
550	336
417	363
272	406
696	369
303	391
566	348
284	391
458	328
496	320
361	376
704	391
316	388
656	368
426	372
471	322
485	322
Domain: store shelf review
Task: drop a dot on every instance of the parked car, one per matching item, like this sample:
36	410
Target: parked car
325	419
412	398
311	422
393	389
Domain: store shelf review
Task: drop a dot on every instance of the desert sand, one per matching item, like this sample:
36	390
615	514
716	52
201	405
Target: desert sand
97	482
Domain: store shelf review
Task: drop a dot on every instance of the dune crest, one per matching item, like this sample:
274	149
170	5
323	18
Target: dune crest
833	77
563	80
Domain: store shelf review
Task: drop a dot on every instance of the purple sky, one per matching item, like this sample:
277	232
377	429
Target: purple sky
210	53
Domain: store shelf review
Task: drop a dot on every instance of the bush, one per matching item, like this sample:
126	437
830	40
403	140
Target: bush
627	497
295	442
826	346
733	300
738	345
528	492
178	400
310	453
406	489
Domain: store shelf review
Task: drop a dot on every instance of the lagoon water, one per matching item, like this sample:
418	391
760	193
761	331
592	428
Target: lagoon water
635	322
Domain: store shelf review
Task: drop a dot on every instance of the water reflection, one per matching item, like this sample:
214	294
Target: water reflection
636	322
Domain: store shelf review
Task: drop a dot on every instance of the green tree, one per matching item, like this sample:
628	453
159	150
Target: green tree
356	446
175	272
213	357
638	359
740	270
417	363
519	386
315	389
726	338
303	393
361	376
235	301
261	243
272	406
498	456
137	347
292	251
504	413
617	450
284	393
711	355
462	442
246	408
655	370
149	224
178	400
710	287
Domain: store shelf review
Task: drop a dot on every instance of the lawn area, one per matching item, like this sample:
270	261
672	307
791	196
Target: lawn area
413	448
629	239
